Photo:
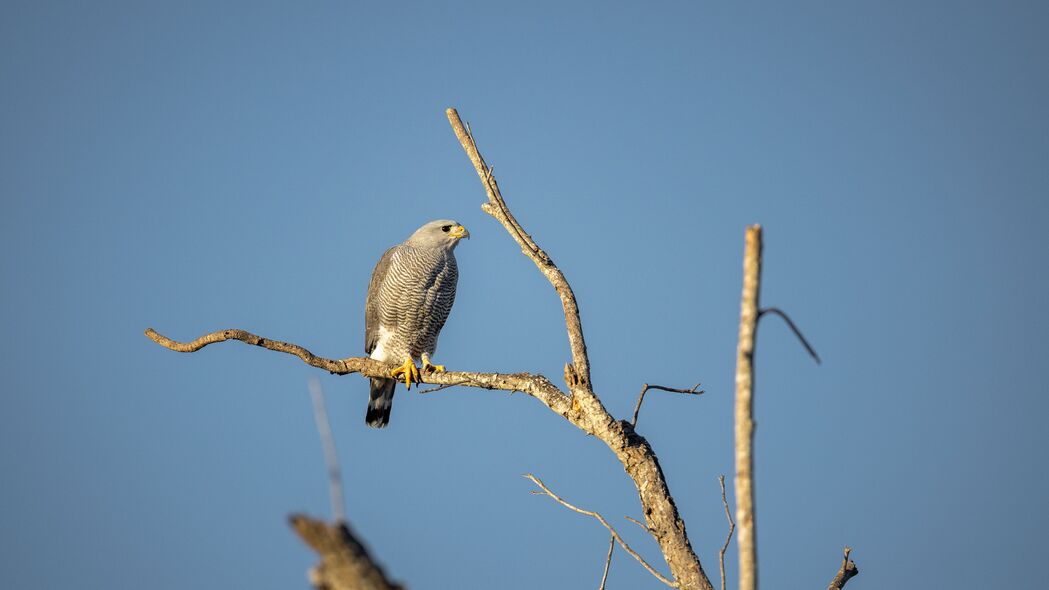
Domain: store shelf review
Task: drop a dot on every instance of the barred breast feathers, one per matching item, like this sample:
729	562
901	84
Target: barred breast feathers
414	300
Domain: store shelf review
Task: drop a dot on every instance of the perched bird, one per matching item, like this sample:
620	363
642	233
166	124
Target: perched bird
410	294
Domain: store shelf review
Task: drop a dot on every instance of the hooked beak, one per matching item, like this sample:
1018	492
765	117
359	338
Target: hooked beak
459	232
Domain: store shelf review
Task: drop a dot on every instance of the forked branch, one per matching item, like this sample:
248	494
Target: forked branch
641	398
546	491
750	313
731	529
588	414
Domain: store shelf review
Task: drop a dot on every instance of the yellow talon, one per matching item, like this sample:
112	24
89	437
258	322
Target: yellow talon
428	366
410	372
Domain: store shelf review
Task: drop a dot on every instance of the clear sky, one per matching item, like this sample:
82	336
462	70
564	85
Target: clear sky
196	166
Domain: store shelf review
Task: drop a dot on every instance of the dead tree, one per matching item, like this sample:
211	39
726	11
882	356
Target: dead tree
578	403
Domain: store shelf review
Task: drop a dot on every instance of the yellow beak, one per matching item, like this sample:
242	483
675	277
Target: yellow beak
459	232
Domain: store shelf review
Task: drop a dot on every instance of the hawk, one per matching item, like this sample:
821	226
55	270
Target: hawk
409	297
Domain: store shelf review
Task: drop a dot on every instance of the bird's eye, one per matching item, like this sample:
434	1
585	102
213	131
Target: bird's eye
446	228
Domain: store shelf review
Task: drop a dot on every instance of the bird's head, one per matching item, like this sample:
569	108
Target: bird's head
441	233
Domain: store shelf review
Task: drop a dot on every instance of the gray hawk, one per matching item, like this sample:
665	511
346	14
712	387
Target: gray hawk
411	292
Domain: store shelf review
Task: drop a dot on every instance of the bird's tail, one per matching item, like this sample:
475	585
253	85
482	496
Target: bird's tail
380	403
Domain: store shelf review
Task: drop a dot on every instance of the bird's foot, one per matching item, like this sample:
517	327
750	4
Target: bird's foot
410	372
428	366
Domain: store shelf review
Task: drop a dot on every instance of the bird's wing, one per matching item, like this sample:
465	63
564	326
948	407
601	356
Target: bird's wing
371	304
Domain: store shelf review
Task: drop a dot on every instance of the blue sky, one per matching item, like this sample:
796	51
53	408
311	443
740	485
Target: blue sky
192	167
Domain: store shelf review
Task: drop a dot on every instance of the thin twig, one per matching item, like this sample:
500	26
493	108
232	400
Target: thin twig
331	459
845	573
608	562
748	321
731	529
640	524
445	386
794	328
604	522
644	390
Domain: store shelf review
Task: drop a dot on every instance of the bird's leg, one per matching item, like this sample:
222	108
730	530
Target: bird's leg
410	372
428	366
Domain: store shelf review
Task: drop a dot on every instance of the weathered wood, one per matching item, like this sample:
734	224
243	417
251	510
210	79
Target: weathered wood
748	325
345	562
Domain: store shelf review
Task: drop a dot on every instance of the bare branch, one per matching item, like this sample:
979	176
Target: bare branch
645	389
845	573
748	321
536	386
608	562
731	529
345	562
601	519
794	328
331	459
496	207
643	526
587	413
339	367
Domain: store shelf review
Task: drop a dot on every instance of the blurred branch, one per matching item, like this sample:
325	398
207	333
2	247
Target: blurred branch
845	573
345	562
793	328
546	491
331	459
645	389
731	529
748	321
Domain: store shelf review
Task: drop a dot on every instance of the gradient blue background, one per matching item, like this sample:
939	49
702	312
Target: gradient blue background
192	167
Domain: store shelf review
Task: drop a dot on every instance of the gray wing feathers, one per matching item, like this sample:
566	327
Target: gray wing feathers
372	311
